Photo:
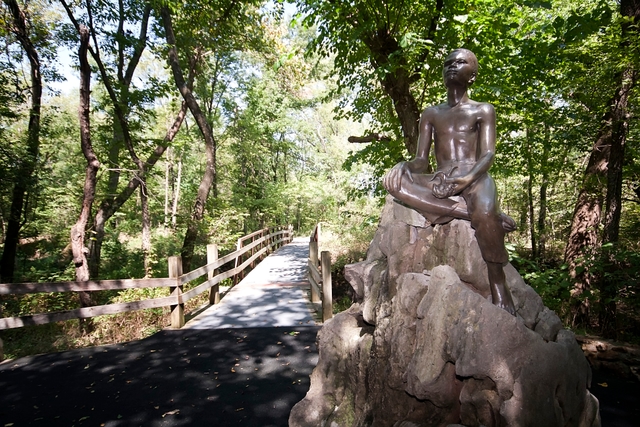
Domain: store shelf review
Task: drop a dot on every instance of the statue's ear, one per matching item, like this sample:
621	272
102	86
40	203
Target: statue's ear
472	79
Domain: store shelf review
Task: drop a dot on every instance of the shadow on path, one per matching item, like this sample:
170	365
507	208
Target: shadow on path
223	377
619	399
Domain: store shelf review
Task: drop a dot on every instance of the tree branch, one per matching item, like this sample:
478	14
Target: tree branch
368	138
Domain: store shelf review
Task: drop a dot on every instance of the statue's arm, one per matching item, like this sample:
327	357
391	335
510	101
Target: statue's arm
420	163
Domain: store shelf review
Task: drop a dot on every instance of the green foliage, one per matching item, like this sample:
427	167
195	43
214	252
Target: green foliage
614	272
552	283
122	258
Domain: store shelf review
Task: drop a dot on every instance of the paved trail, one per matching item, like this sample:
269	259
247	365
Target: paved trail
274	294
245	361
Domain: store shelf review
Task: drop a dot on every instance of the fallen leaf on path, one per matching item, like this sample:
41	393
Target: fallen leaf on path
603	384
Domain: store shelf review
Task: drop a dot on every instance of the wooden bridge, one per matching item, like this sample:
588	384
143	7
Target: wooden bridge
245	359
280	278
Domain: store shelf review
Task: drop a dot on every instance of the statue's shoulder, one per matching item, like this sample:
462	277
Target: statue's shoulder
434	110
483	107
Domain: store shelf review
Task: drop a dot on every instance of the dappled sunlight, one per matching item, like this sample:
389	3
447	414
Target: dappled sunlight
184	377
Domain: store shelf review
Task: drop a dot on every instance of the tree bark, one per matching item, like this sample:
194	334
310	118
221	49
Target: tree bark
608	286
78	230
176	195
168	171
530	204
368	138
583	236
544	186
209	176
27	167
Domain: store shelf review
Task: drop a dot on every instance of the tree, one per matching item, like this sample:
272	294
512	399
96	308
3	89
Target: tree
205	31
21	28
383	48
602	181
78	229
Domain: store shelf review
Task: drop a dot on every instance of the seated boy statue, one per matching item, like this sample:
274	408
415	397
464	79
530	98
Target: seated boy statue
463	133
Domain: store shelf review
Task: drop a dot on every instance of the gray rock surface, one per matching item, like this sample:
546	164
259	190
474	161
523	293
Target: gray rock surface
424	345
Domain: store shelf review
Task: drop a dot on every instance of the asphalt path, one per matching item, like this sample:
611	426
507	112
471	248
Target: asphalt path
223	377
220	377
619	399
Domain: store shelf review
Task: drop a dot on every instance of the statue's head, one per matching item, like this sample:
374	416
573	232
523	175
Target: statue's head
460	67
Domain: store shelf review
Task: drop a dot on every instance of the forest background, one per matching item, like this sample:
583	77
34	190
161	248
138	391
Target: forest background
197	122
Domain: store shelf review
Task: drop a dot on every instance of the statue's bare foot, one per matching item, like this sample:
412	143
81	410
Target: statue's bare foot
508	223
501	297
500	293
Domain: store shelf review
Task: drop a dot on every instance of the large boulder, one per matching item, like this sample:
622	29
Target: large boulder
424	345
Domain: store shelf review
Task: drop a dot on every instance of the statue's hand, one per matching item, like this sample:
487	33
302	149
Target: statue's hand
393	179
446	187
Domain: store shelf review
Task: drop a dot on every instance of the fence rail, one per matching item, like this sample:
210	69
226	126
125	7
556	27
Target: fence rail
262	242
320	278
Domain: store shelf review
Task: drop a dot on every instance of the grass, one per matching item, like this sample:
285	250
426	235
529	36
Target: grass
72	334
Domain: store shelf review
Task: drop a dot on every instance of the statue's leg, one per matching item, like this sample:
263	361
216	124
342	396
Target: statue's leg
418	194
486	220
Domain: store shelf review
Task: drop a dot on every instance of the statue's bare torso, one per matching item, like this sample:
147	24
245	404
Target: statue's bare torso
455	132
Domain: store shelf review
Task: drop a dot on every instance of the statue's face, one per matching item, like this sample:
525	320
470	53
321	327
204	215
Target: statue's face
460	68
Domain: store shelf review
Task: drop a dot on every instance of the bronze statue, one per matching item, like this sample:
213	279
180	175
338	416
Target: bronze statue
463	133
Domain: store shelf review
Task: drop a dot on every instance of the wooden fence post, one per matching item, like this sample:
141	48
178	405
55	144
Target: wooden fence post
327	296
212	256
238	262
177	311
313	259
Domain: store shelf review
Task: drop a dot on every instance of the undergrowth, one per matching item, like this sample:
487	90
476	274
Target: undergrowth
345	248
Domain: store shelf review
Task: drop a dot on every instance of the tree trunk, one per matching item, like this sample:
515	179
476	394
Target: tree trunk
120	102
176	195
613	208
208	178
27	167
542	217
168	171
146	228
397	85
531	206
544	185
602	176
583	236
78	230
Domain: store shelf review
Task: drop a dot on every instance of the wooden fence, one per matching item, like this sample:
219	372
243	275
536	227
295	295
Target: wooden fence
262	243
320	278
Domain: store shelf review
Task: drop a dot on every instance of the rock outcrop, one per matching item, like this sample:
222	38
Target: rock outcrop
424	345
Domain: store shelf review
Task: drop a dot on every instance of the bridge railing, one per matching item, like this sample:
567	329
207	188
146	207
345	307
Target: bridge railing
320	275
269	239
